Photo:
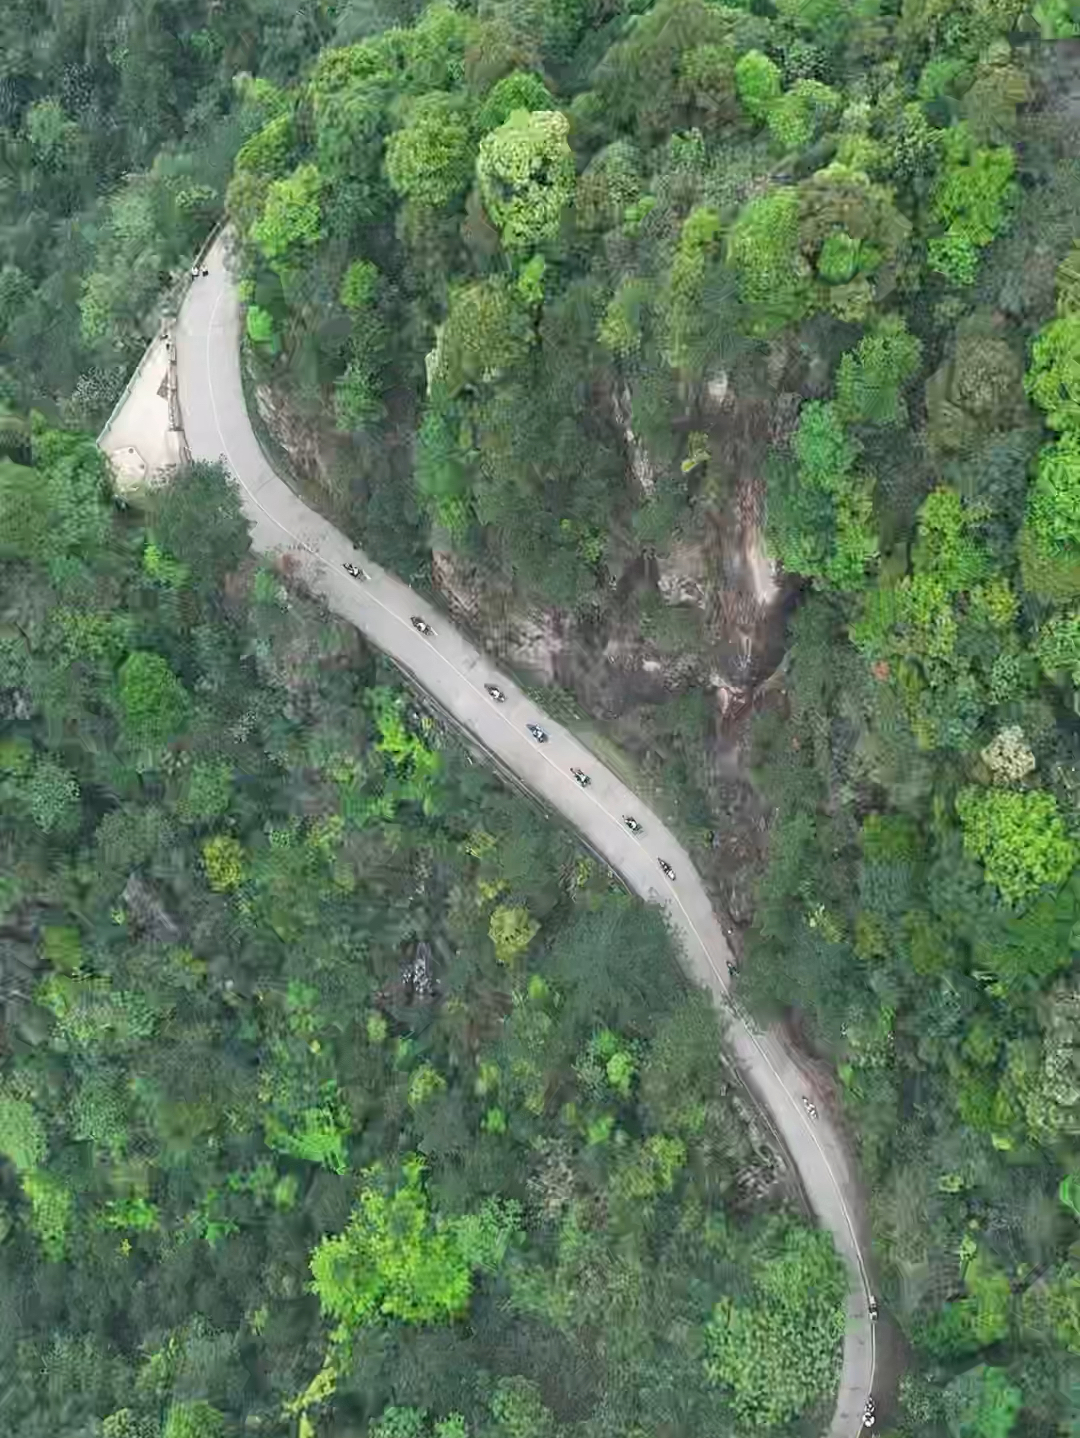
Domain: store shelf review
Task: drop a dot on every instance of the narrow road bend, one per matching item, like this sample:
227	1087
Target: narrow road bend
453	671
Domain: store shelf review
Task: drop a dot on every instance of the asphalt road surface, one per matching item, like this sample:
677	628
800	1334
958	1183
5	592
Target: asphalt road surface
454	673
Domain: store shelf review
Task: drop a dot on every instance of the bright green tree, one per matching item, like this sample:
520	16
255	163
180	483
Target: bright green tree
1018	836
260	327
393	1259
291	220
778	1351
223	860
526	174
512	930
430	160
757	83
982	1403
52	1205
22	1134
520	90
1053	510
872	375
153	702
801	113
197	1419
487	332
763	248
698	239
1053	377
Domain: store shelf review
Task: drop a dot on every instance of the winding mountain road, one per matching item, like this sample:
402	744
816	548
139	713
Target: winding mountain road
207	337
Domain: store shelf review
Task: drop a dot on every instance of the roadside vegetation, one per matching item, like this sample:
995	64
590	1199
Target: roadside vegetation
340	1093
532	228
550	293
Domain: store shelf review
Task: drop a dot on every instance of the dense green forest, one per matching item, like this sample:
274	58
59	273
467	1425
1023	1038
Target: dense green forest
260	1177
339	1090
519	217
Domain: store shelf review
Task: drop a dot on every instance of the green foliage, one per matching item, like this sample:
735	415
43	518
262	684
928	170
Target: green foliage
430	160
51	1207
1053	513
425	1083
223	860
801	113
267	151
51	797
1053	377
852	234
526	174
871	376
1018	836
487	333
219	1085
1056	19
982	1403
318	1135
53	509
757	82
1069	1193
512	930
153	701
208	792
520	90
291	218
22	1134
197	1419
762	246
798	1292
1057	647
358	403
260	326
392	1260
621	329
820	515
359	286
976	390
973	198
698	240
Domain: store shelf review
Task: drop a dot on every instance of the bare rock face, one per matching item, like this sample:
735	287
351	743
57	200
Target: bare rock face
148	911
642	467
304	443
456	583
714	394
683	574
531	640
